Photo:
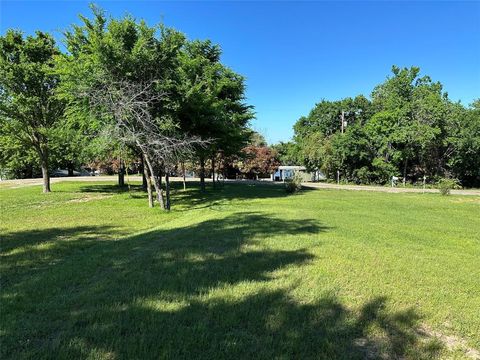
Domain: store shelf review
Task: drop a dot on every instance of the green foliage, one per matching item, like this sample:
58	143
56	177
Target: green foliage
212	100
199	95
257	139
409	129
445	185
294	184
288	153
29	109
16	160
108	49
463	142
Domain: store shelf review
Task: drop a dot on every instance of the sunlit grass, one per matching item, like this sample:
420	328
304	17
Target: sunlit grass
245	271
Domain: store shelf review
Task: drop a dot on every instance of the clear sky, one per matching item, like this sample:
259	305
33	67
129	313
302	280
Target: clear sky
293	54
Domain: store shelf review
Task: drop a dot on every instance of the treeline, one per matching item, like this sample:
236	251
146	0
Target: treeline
122	90
408	128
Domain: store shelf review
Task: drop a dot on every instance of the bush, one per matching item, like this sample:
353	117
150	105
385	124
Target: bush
363	176
445	185
294	184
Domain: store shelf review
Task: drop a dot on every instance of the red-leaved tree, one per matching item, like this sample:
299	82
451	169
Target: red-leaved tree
258	161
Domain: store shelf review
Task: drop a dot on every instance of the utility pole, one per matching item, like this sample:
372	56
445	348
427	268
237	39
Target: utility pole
342	127
342	119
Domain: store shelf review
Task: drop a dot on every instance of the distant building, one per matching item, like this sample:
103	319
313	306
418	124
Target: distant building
285	172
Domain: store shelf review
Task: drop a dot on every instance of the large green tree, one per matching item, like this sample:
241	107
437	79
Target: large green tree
29	109
184	92
463	143
212	103
123	71
416	109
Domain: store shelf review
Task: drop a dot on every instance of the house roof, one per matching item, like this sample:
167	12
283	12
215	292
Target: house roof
294	167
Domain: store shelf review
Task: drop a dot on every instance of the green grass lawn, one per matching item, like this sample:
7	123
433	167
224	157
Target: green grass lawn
241	272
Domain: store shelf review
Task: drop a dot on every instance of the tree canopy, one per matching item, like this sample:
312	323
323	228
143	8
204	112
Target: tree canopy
29	109
409	128
125	85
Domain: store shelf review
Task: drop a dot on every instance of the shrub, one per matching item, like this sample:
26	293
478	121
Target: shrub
445	185
363	175
294	184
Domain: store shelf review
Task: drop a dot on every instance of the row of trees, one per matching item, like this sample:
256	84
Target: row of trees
409	128
121	89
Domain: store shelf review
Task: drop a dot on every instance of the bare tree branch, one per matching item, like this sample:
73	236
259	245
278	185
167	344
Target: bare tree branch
130	106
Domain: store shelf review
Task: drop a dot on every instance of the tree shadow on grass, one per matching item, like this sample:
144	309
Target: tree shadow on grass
230	192
110	188
182	254
171	293
194	198
266	325
32	238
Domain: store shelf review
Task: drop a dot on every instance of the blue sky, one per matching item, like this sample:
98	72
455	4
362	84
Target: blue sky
293	54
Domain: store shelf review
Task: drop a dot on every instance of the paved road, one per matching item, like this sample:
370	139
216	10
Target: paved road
29	182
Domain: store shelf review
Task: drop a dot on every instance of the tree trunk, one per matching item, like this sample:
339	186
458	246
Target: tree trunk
144	178
161	196
159	190
29	172
213	171
148	181
70	168
224	170
121	174
167	191
183	172
45	174
159	177
405	172
156	183
221	169
202	174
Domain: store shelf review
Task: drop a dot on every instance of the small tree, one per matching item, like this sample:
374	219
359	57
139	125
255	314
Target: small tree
259	160
446	185
294	184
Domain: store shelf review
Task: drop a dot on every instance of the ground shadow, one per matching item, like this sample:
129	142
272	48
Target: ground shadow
194	198
32	238
197	254
267	325
110	188
92	295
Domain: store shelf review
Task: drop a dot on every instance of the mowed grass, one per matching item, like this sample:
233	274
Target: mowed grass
244	271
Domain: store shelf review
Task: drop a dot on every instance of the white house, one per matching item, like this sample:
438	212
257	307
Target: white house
285	172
